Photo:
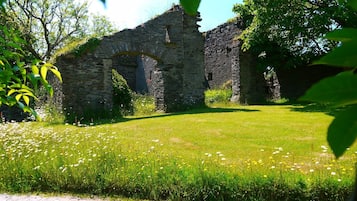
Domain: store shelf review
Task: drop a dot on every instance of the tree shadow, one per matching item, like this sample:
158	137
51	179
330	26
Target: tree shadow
315	107
201	110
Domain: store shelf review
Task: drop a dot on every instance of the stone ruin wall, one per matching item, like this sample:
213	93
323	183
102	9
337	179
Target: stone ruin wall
225	61
175	75
219	52
170	41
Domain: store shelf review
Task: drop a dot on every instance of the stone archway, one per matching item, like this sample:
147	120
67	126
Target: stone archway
172	39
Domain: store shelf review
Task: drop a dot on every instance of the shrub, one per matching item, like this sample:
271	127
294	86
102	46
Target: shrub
218	96
143	104
122	95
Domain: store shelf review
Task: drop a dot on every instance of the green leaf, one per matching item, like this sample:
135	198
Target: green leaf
26	99
343	35
44	72
34	113
49	89
339	90
11	91
35	70
190	6
55	71
25	90
21	106
18	96
342	56
353	4
342	131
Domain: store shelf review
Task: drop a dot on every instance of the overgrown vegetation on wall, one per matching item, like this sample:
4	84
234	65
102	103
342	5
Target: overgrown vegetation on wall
87	47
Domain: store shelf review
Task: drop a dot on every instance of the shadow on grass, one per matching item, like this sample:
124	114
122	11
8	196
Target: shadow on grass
199	110
314	107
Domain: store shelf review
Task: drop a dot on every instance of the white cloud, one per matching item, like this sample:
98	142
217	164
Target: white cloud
129	14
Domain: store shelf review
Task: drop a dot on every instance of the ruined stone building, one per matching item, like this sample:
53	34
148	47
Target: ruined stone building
163	56
224	61
170	59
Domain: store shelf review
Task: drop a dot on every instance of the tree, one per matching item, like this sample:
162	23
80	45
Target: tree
33	30
20	73
98	26
19	79
290	33
48	25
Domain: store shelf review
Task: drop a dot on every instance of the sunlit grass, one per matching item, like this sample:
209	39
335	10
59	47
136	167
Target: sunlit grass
163	155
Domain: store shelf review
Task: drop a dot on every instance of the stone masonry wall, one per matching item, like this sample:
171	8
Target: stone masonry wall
148	64
193	64
224	61
171	39
218	53
86	84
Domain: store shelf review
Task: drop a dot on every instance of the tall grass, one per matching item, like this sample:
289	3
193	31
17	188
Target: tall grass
240	153
218	96
143	104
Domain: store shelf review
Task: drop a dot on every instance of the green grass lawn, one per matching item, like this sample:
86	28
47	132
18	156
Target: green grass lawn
223	152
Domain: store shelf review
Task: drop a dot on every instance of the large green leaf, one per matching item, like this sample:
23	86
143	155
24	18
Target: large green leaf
35	70
55	71
43	72
339	90
26	99
343	35
190	6
353	4
342	131
342	56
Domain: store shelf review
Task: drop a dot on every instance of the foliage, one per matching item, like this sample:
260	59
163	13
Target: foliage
290	33
340	90
19	79
190	6
51	114
143	104
50	25
122	94
218	96
98	26
222	95
89	46
187	156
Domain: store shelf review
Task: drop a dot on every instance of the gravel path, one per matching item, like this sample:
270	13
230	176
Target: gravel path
7	197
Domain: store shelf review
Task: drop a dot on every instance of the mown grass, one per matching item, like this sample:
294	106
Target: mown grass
230	153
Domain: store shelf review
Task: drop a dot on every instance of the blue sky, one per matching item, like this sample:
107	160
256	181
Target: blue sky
131	13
